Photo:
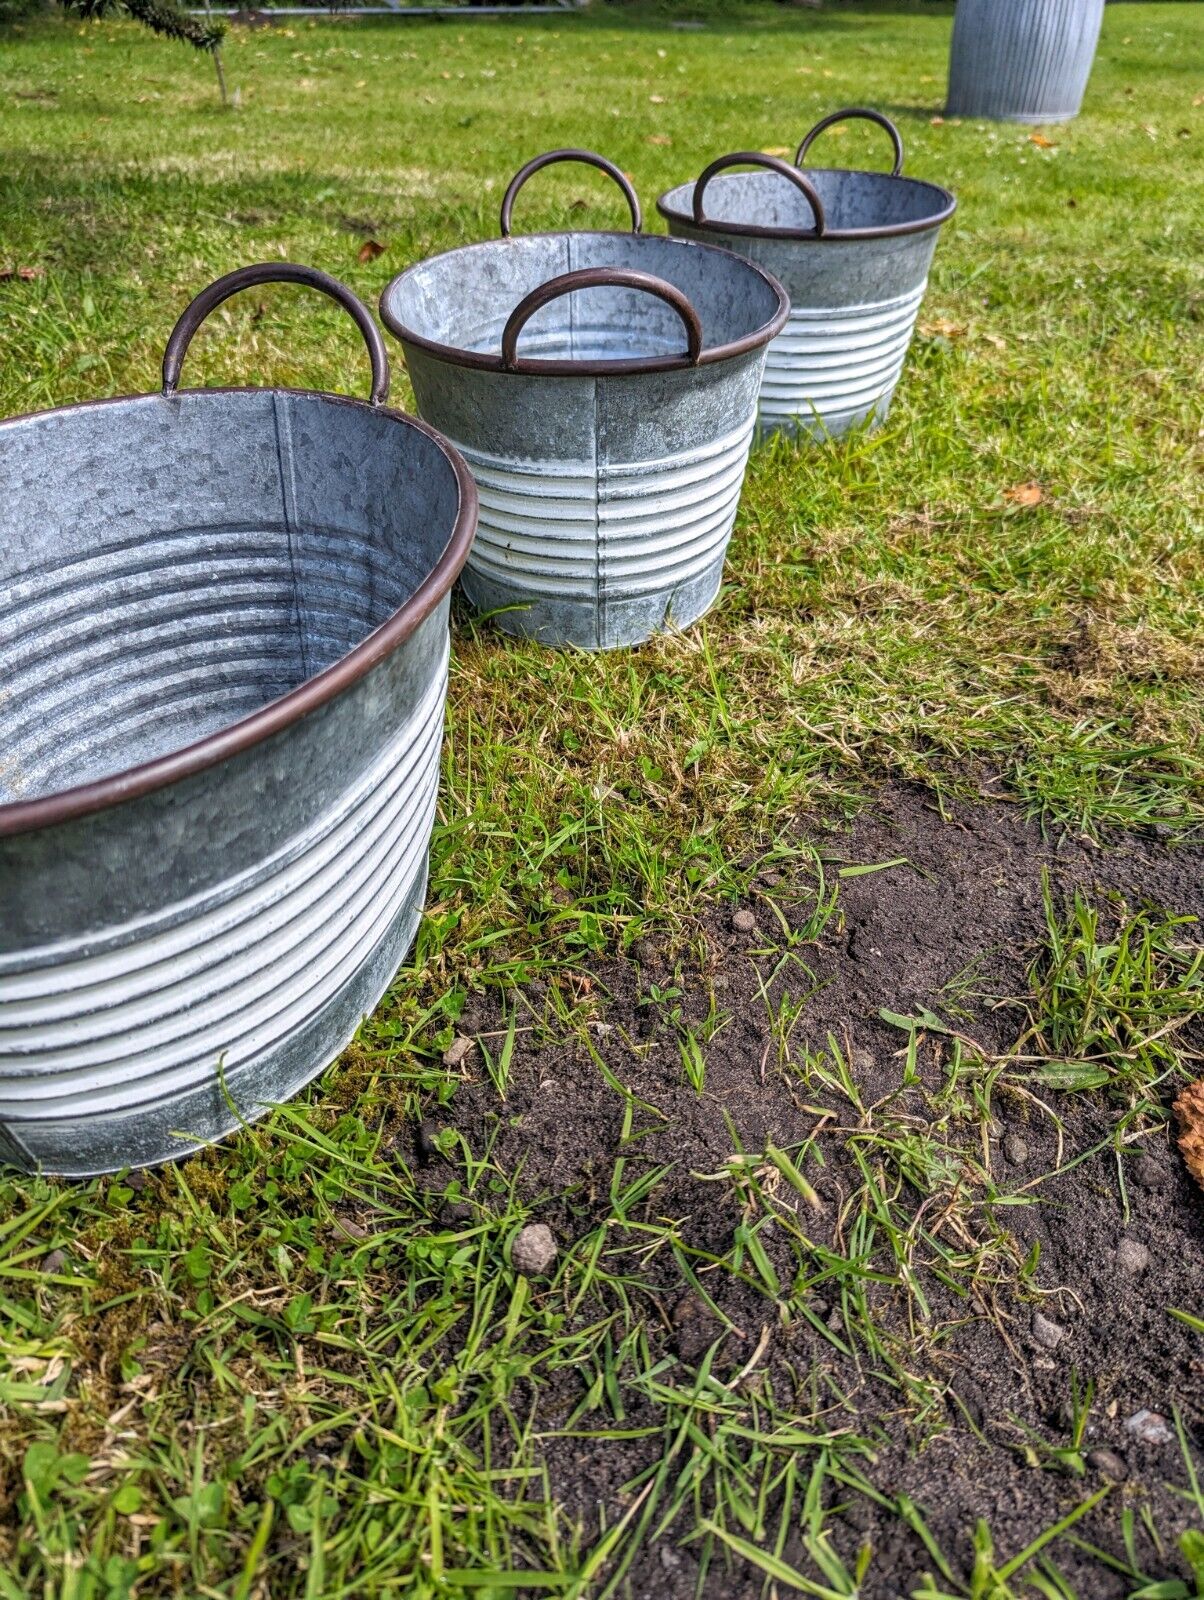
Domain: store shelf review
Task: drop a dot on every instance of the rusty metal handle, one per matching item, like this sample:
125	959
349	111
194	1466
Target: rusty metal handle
757	158
591	159
275	272
866	114
597	278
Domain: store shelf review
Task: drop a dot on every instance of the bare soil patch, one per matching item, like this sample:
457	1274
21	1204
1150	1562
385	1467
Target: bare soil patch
1076	1272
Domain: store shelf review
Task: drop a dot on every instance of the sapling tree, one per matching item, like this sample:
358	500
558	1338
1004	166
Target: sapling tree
167	19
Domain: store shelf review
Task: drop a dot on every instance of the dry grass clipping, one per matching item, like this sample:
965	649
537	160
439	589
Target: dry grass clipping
1189	1108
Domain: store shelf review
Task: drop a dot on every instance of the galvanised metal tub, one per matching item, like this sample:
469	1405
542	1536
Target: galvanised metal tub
852	250
602	387
223	651
1022	60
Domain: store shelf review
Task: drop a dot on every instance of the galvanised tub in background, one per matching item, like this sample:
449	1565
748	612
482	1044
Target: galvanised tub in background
852	249
1022	60
223	651
602	387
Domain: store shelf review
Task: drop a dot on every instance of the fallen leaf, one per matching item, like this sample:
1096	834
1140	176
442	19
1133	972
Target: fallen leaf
25	273
1149	131
779	150
1041	141
941	327
658	138
1024	494
656	99
936	121
368	251
1189	1109
997	340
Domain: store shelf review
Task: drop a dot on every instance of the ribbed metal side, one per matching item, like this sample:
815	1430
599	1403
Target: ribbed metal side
829	369
572	534
161	624
1022	60
144	1012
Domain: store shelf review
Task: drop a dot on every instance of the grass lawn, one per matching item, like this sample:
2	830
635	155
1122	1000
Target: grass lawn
819	1188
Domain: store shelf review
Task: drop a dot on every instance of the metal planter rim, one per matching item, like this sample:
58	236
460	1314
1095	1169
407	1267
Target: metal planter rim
28	816
942	198
943	203
631	367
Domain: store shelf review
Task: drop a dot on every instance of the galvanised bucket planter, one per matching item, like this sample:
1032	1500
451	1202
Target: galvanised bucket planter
852	250
1022	60
223	650
602	387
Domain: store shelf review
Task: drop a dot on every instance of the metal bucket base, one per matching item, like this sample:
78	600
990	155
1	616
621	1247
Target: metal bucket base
1029	119
608	624
819	430
183	1124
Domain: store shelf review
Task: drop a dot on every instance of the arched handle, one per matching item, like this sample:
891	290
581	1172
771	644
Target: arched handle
597	278
591	159
756	158
866	114
275	272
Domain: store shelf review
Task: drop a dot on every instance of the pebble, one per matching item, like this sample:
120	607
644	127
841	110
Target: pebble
695	1327
1132	1256
1150	1174
1148	1427
1109	1463
534	1250
427	1141
1015	1149
859	1514
771	879
744	921
1046	1332
457	1050
54	1262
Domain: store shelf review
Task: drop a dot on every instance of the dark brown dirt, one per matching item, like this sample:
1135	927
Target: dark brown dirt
971	894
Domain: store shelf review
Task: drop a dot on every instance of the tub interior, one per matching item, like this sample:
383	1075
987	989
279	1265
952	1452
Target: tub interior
464	298
850	199
169	567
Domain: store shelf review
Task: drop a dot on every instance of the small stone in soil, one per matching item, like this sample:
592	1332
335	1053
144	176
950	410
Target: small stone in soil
534	1250
859	1514
457	1050
744	921
771	879
54	1262
1149	1173
1132	1256
1109	1464
1148	1427
1015	1149
1046	1332
136	1181
427	1141
695	1327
